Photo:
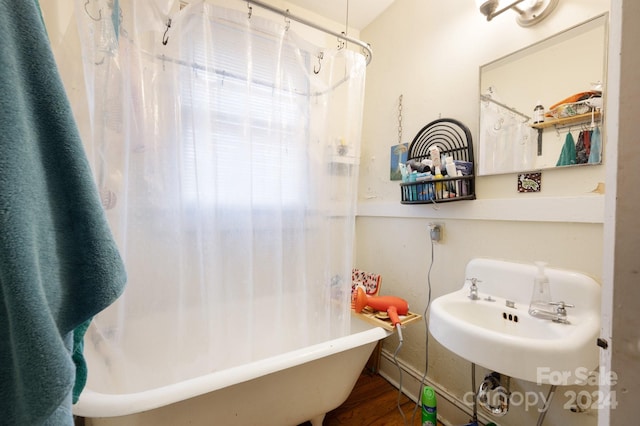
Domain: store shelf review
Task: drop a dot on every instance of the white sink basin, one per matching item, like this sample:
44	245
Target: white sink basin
507	339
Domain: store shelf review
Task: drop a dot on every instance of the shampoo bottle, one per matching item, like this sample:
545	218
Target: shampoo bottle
541	295
429	411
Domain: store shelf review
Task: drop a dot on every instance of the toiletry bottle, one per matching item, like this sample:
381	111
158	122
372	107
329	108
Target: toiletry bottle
434	153
429	190
461	185
450	167
439	186
538	113
541	295
413	196
429	407
451	173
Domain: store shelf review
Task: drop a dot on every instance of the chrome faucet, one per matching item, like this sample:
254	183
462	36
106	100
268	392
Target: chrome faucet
473	290
557	312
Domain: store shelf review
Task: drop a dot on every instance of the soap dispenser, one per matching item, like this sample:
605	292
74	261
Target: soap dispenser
541	296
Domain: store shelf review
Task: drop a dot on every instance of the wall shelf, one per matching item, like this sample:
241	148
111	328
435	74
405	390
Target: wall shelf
452	138
567	121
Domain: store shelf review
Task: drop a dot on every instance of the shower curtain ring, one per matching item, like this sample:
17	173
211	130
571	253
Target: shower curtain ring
341	43
320	57
250	10
165	38
287	21
366	53
86	10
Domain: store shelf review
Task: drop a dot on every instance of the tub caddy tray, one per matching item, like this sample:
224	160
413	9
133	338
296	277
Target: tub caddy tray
379	318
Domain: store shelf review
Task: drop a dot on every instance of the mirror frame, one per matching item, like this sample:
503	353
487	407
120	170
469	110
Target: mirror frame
597	21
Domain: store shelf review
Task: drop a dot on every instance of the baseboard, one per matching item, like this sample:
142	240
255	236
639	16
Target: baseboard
451	410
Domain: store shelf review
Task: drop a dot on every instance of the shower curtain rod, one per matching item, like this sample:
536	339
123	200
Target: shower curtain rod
342	36
513	110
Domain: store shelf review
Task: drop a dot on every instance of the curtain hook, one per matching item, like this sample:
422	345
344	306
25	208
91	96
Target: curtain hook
366	53
287	21
341	42
165	38
250	10
86	10
320	57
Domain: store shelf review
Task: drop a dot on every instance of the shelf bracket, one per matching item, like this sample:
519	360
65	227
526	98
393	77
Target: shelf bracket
539	142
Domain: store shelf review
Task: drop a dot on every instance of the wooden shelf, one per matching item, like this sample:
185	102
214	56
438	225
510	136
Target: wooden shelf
565	121
380	319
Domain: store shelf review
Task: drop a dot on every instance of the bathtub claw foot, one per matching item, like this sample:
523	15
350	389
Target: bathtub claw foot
317	420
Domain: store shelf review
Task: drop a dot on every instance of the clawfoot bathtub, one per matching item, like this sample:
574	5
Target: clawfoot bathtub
287	389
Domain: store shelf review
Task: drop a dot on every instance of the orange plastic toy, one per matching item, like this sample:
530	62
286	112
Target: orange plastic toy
393	305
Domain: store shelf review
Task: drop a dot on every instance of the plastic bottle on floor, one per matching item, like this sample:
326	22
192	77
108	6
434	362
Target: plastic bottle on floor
429	411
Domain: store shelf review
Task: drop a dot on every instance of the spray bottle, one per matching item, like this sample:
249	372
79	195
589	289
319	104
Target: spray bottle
429	411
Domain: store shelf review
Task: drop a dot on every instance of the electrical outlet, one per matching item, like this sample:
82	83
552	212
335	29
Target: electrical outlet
435	232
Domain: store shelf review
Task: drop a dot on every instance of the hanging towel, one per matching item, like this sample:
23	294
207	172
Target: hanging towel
596	147
59	264
568	153
582	154
587	143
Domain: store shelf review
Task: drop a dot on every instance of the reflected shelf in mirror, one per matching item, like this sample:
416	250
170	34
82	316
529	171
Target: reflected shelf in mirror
568	121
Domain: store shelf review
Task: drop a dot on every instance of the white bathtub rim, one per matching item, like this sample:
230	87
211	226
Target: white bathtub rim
97	404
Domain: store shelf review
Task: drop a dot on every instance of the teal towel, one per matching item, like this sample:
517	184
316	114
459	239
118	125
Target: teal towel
596	147
568	153
59	264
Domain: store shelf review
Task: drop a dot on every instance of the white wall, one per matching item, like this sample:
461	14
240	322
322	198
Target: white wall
430	52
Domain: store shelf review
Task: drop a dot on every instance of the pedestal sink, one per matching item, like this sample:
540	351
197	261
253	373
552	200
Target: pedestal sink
496	331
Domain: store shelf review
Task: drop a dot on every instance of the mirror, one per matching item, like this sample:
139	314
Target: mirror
549	72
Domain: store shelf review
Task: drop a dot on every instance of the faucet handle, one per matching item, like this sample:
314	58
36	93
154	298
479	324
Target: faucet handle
473	290
561	307
473	280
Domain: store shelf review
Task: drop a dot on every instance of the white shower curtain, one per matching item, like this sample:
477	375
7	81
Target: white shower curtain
225	149
508	141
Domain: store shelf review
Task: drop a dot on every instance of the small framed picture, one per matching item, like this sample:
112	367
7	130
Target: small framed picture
399	155
530	182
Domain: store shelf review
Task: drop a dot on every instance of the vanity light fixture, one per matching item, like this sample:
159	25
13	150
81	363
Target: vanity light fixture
530	12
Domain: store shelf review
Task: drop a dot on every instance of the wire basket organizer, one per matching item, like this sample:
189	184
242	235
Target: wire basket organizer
452	139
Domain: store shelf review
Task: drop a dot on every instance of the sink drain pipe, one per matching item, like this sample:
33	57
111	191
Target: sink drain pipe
493	396
476	394
492	383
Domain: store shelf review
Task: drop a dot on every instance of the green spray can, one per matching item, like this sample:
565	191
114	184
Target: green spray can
429	412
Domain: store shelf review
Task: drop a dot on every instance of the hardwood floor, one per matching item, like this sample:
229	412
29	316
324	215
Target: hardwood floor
373	402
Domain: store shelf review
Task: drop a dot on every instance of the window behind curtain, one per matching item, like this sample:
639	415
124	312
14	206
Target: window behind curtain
240	148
